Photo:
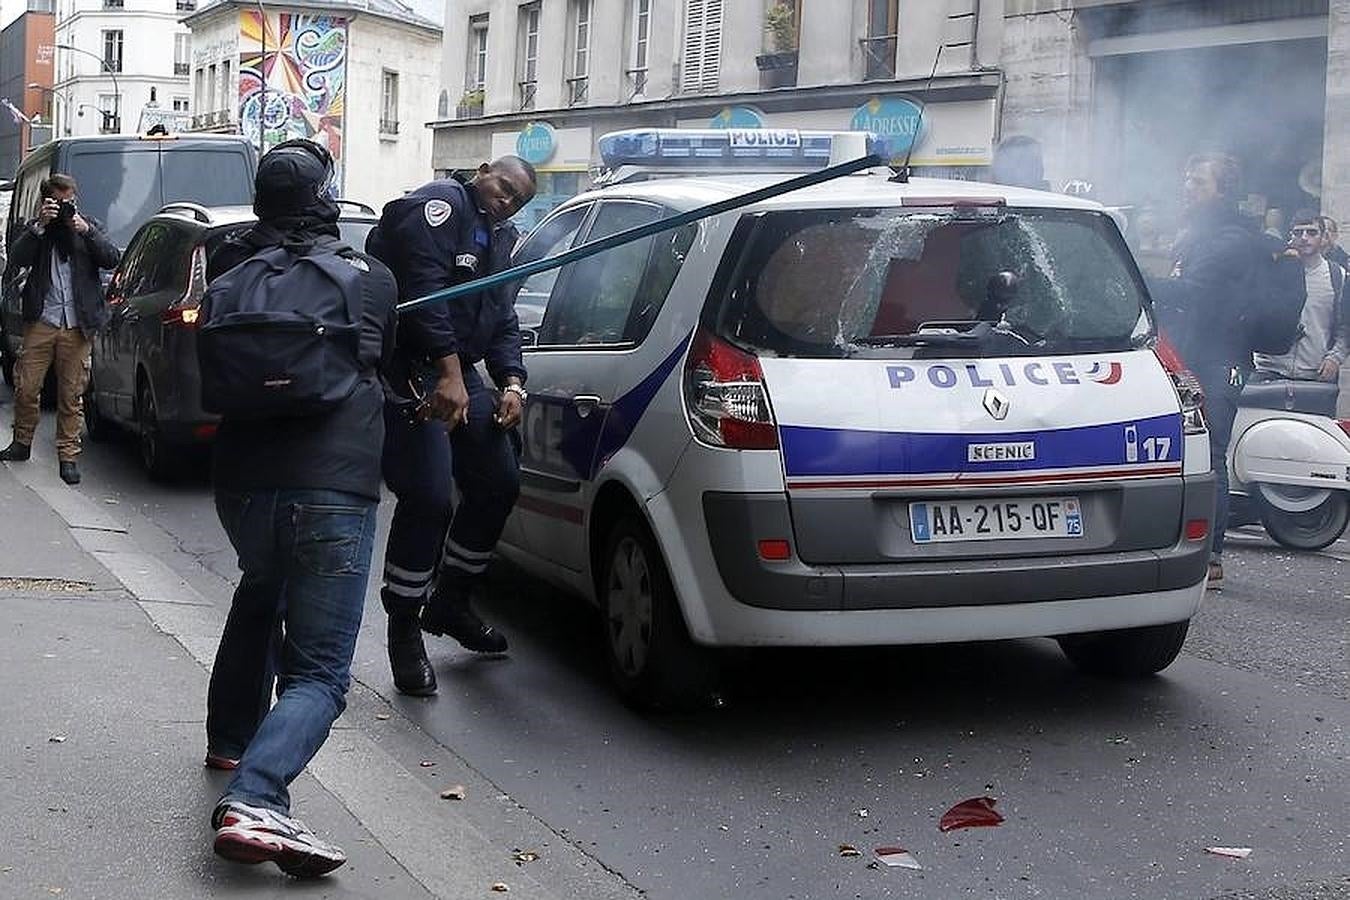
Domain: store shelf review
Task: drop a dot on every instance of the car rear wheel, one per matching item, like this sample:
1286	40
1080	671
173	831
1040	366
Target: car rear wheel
1127	653
1305	529
653	661
157	456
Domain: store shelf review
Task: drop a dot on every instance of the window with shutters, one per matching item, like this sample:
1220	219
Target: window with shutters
701	60
578	83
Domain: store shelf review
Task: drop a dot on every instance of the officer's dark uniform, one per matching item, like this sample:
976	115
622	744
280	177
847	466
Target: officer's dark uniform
432	238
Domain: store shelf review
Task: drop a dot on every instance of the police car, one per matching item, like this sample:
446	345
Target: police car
867	412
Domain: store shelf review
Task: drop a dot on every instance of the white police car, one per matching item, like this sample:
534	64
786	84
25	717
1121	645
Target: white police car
867	412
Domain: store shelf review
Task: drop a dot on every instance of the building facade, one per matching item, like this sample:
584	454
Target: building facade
26	73
546	79
1121	93
361	78
121	65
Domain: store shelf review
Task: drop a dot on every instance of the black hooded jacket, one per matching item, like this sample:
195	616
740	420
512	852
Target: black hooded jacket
339	450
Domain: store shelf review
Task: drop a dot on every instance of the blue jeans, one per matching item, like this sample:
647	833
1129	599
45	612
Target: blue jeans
428	533
305	558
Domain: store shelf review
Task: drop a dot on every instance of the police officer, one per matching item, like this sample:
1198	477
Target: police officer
445	233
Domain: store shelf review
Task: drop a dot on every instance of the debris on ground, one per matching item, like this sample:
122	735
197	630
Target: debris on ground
453	793
524	856
897	857
973	813
1230	852
500	887
426	764
382	717
849	850
57	739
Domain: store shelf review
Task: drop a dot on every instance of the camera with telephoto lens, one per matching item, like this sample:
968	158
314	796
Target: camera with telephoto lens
67	211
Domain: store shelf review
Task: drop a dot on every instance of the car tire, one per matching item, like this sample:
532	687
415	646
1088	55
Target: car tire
653	661
1315	529
158	457
96	425
1128	652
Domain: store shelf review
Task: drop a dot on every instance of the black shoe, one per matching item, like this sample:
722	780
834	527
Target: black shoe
457	619
413	674
16	452
70	473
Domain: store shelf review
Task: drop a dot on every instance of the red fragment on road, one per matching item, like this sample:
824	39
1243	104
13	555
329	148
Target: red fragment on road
972	813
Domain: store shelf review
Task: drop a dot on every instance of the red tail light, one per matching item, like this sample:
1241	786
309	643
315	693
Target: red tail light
188	307
1345	426
1189	391
725	397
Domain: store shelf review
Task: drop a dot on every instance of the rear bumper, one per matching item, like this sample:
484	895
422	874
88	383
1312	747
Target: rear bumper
737	521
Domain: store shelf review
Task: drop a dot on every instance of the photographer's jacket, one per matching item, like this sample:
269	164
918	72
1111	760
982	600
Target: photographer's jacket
434	238
87	253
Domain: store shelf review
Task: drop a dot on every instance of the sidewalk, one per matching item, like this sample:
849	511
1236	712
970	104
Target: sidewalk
102	790
104	652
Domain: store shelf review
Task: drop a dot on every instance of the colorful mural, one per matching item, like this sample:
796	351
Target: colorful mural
303	59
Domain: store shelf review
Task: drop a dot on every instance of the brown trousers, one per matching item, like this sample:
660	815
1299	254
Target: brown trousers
69	348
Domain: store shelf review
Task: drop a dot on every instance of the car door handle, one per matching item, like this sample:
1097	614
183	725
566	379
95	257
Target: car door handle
585	404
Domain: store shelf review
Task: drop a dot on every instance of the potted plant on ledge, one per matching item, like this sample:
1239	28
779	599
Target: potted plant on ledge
470	104
778	68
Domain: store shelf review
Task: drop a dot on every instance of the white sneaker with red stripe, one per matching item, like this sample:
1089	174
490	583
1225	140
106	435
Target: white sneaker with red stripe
252	834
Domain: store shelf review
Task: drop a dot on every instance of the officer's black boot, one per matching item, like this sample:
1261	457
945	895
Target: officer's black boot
408	656
448	612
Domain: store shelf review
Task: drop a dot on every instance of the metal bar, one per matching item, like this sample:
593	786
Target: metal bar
669	223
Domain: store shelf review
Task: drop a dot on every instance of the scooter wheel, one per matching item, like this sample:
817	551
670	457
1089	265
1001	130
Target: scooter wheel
1315	529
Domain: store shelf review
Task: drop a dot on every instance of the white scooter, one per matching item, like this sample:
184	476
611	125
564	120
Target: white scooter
1289	463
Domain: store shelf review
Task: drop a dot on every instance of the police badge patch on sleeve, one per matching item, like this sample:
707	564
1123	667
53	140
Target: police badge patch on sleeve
437	212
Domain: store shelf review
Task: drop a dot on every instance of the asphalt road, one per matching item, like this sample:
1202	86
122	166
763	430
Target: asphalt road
1109	790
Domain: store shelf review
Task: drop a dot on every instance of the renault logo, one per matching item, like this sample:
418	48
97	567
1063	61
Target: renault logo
996	404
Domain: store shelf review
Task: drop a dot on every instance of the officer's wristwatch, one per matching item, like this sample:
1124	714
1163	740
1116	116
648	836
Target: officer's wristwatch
518	390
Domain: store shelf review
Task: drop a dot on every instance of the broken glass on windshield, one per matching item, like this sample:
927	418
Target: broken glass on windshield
828	282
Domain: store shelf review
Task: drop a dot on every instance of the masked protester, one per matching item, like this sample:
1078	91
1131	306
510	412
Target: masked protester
296	494
63	307
442	234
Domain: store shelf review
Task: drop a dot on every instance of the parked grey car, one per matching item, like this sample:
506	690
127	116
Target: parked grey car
144	374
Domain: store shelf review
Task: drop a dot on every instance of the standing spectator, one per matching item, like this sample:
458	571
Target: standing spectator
1199	307
63	307
1321	347
445	233
1332	248
296	496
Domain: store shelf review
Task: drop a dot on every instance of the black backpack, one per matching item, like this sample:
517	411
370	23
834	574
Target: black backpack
280	333
1274	299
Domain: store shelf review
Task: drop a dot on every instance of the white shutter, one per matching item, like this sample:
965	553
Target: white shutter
702	59
712	45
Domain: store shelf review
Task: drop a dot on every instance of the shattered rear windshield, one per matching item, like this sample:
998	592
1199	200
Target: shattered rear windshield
834	282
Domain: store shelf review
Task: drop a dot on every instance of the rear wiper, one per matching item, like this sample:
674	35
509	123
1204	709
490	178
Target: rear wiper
943	334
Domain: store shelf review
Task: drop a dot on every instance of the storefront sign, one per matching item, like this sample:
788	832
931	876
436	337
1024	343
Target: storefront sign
898	120
536	143
738	117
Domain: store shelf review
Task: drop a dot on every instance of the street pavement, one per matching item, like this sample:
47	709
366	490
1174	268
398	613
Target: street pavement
1110	790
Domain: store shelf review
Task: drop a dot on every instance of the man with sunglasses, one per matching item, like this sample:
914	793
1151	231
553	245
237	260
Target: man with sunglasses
461	430
1321	346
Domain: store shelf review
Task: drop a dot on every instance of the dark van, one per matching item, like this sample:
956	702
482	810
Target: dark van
124	179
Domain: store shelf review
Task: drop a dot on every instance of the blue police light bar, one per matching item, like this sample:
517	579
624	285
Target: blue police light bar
711	148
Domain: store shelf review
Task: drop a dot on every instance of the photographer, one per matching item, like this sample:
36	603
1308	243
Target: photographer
62	309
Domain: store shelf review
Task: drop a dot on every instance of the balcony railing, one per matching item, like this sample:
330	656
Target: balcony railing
879	57
639	79
389	126
112	4
527	92
576	90
180	68
186	5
